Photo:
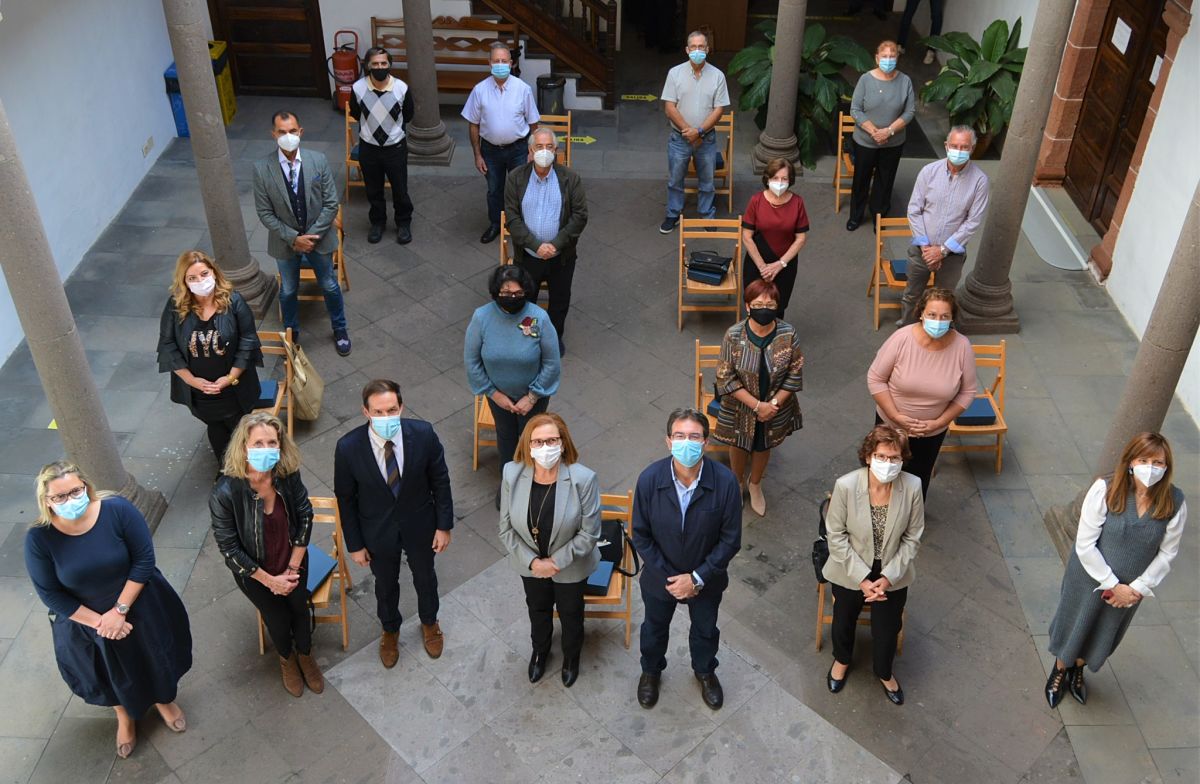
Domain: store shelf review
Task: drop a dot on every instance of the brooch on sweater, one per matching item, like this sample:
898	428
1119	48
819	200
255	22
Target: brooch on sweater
529	327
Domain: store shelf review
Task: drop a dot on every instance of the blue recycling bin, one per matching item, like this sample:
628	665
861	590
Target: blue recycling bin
171	77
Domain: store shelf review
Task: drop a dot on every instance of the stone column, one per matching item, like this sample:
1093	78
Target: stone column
428	142
778	139
985	297
41	303
218	190
1157	366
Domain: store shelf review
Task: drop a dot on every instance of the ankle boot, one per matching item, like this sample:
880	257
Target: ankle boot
293	681
1054	686
1076	684
312	673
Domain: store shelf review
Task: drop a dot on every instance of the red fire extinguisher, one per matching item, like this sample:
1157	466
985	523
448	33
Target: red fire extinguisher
343	67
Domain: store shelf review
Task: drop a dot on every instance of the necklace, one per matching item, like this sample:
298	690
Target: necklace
536	522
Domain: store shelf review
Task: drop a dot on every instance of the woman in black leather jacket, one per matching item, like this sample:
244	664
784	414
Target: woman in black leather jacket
208	342
262	521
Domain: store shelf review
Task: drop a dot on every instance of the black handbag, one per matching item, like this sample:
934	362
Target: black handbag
708	261
613	541
820	547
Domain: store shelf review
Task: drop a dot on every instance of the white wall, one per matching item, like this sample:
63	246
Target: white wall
1160	198
973	16
103	61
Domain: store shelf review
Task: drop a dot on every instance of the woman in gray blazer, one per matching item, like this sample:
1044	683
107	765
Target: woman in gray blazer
550	523
875	521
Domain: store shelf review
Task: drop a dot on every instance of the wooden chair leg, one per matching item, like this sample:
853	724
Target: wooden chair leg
999	451
475	429
262	641
820	613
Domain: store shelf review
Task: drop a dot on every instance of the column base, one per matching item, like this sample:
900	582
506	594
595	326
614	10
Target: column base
1062	523
985	309
256	286
429	146
150	503
769	147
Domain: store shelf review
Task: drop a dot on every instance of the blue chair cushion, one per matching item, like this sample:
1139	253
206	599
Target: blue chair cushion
354	153
980	412
899	268
267	389
714	407
719	163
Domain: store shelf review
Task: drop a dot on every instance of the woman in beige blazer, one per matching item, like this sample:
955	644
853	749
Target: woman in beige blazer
550	523
875	521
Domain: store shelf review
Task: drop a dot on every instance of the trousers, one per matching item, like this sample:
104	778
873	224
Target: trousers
703	638
918	278
386	568
542	596
287	618
390	162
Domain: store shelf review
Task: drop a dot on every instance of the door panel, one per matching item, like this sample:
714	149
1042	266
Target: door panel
275	46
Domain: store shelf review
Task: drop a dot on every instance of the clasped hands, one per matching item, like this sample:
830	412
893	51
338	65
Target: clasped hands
680	586
1123	596
692	136
875	591
282	584
210	387
546	251
521	407
765	411
304	243
915	427
769	271
932	254
543	567
113	626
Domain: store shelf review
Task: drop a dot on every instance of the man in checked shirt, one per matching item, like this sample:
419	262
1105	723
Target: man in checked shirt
948	201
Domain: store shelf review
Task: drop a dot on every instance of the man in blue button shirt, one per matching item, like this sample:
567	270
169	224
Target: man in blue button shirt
687	526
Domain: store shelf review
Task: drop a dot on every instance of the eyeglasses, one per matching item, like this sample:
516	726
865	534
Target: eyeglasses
538	442
767	304
893	459
62	498
693	437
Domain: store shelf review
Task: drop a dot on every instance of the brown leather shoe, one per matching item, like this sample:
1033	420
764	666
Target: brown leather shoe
433	639
293	681
312	673
389	653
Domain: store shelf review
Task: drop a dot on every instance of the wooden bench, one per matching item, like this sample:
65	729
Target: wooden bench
461	48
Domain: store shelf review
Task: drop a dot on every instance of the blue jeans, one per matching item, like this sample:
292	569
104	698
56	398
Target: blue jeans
679	152
500	161
289	275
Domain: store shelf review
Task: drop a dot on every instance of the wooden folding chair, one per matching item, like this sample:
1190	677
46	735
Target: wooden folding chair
481	421
864	618
561	125
726	229
276	394
890	273
985	415
724	169
325	511
843	175
704	398
618	602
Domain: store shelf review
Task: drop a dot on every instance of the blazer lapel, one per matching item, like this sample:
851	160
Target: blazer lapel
372	465
562	487
520	500
862	499
893	514
314	182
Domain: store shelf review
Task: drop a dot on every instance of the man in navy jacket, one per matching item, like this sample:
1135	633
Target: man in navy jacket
393	492
687	526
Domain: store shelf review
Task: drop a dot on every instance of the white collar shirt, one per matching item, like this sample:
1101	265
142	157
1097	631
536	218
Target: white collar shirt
377	446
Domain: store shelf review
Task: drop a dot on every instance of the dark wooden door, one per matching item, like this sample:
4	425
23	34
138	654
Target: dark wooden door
1128	59
276	47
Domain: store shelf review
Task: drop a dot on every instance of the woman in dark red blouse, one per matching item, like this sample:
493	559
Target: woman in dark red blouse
774	227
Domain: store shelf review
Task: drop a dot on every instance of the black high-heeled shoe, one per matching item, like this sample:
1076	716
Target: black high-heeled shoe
1076	684
895	697
537	666
833	684
1054	686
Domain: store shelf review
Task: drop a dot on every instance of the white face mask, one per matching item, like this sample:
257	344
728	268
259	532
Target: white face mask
543	158
1148	474
885	472
203	287
546	456
777	187
289	142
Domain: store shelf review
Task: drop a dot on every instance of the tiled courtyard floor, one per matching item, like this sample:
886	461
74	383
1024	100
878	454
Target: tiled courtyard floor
972	666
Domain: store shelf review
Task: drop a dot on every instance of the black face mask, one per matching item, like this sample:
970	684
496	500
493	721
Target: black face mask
511	303
762	316
379	74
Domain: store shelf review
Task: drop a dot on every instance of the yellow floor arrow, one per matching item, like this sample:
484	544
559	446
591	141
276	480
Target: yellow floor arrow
53	425
639	97
582	139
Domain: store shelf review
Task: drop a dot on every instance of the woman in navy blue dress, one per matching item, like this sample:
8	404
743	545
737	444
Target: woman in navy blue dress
121	634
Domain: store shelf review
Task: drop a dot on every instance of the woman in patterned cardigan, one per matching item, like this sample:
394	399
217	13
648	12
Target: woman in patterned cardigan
758	376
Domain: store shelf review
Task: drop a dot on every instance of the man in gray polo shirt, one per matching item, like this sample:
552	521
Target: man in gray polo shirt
695	96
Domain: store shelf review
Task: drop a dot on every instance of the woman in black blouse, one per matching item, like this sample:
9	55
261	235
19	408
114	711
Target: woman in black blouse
208	342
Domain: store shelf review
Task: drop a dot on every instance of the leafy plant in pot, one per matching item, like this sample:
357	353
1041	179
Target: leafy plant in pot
979	82
821	81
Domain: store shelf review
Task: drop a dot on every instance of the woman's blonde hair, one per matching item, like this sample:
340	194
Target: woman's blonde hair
57	470
185	301
1161	501
235	453
569	453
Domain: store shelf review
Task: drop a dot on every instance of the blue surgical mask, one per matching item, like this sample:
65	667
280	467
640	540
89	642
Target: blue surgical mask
501	70
958	157
688	453
386	426
697	56
73	508
262	459
887	64
935	328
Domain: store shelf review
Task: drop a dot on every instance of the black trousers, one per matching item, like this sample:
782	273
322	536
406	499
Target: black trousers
221	416
558	273
703	638
887	618
542	595
287	618
386	568
509	426
924	451
874	176
785	281
391	162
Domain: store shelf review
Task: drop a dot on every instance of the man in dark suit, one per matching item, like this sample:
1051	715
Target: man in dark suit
687	526
393	492
545	209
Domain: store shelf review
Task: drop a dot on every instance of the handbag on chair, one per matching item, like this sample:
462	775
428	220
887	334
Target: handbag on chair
820	547
612	544
308	388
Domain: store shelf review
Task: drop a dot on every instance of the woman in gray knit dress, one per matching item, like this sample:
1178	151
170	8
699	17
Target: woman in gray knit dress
1129	532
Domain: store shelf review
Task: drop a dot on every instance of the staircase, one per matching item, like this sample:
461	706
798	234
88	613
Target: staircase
580	35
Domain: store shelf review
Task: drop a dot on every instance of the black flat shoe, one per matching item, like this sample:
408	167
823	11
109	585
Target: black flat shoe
1076	684
403	235
851	225
537	666
895	697
833	683
647	690
1054	686
375	233
492	233
570	672
711	691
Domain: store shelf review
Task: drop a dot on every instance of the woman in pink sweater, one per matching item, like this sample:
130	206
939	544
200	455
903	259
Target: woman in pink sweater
922	378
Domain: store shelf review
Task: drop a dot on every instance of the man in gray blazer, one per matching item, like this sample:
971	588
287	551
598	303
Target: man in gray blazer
297	200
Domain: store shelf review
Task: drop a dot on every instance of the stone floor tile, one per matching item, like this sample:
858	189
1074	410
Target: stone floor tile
482	757
1160	685
545	724
1037	582
29	677
493	596
1113	755
17	600
1177	764
18	758
599	758
1018	525
979	633
1057	765
244	755
144	766
79	750
1008	723
955	758
662	736
176	564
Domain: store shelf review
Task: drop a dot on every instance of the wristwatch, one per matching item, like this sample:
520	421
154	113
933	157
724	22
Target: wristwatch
945	251
783	263
696	584
122	609
233	380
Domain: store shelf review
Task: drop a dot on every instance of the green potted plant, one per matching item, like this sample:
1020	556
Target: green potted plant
979	81
821	81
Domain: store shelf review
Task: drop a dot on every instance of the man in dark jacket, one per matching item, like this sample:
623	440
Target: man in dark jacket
545	210
393	493
687	526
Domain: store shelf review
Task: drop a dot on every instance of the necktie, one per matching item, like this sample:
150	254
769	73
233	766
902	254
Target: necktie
393	470
292	177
